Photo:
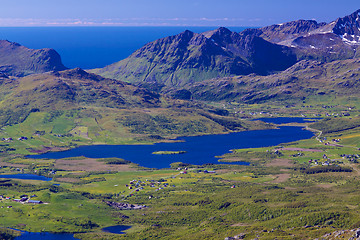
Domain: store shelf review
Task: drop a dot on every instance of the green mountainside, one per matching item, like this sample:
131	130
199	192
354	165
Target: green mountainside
17	60
305	81
188	57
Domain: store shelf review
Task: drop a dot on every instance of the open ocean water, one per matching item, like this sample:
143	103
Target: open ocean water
93	47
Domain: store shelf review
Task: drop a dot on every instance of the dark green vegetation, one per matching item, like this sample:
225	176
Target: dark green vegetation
329	125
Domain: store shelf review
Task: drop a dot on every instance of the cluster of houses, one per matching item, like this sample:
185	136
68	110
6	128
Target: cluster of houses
351	157
343	114
331	143
22	138
184	171
23	199
137	185
299	154
7	139
316	162
125	206
26	199
205	171
63	135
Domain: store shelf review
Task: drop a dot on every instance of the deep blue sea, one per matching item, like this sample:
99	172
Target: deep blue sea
92	47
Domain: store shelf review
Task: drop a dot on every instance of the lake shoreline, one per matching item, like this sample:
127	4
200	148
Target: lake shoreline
198	151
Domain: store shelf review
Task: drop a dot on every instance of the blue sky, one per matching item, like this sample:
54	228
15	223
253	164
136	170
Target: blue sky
169	12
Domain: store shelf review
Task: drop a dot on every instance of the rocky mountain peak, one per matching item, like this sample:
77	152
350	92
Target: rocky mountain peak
185	36
222	31
219	32
280	33
78	73
348	28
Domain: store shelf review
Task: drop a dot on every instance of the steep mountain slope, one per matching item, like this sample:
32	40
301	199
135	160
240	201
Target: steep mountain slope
190	57
306	79
17	60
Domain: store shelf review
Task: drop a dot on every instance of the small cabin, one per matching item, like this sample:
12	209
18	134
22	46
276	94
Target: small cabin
35	202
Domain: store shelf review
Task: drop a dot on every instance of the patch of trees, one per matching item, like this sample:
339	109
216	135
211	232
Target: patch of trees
228	123
115	161
330	125
323	169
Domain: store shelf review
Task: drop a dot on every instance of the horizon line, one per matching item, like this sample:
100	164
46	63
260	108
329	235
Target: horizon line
107	26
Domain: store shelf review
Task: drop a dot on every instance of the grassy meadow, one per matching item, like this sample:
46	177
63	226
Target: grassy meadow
300	190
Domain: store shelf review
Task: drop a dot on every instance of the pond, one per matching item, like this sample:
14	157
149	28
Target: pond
45	236
284	120
119	229
199	150
26	177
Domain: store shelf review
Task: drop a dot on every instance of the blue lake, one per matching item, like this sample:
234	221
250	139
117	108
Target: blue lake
65	236
199	150
26	177
46	236
283	120
116	229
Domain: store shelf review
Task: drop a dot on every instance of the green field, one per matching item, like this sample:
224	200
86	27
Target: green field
291	191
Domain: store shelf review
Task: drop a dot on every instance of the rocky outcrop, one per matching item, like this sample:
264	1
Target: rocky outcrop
339	39
279	33
17	60
125	206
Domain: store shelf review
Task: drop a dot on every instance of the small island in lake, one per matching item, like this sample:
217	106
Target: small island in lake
168	152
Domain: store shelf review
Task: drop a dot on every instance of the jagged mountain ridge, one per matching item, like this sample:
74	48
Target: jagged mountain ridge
339	39
17	60
278	33
190	57
347	28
